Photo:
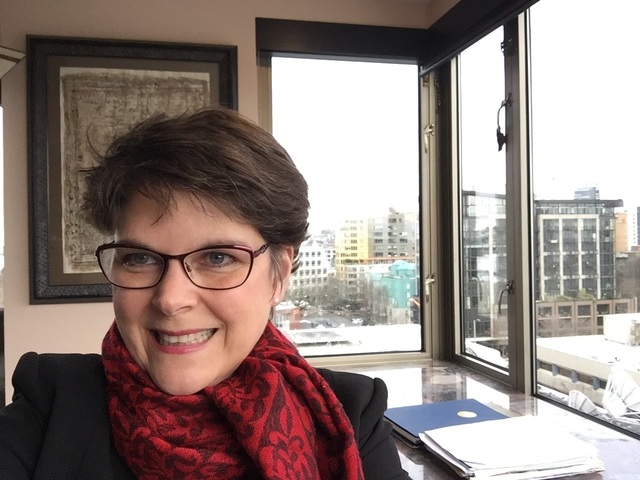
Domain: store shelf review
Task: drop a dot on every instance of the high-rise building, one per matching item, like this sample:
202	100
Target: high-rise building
622	232
394	236
574	253
366	246
575	248
313	273
635	228
375	240
587	193
484	245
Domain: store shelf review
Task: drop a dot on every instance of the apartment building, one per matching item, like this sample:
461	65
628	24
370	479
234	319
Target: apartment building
622	232
574	258
365	242
575	251
311	279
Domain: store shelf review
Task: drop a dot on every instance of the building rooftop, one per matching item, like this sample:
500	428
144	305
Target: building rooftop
592	354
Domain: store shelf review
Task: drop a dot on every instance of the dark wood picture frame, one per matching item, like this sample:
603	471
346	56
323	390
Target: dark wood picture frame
80	94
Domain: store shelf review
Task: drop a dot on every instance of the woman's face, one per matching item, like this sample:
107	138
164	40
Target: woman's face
226	324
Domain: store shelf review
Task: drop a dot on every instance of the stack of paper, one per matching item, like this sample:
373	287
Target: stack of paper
517	448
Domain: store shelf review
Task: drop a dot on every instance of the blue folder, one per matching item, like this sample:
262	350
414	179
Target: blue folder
409	421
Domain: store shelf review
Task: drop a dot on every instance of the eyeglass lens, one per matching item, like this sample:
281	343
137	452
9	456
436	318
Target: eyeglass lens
213	268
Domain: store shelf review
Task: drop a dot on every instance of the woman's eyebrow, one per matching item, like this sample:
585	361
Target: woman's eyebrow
232	243
133	243
205	244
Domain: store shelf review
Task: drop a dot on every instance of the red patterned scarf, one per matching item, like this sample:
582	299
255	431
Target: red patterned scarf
274	418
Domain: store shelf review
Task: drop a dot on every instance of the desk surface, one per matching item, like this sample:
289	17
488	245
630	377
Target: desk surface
434	381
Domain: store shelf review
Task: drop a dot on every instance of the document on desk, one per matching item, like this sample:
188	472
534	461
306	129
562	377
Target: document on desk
409	421
517	448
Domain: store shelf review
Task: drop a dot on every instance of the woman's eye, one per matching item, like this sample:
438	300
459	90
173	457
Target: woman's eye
218	258
138	259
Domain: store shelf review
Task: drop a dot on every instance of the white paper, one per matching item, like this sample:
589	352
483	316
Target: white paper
525	447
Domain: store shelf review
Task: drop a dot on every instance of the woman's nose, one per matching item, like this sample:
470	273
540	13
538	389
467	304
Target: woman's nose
175	291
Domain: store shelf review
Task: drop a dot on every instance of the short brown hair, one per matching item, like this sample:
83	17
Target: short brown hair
215	155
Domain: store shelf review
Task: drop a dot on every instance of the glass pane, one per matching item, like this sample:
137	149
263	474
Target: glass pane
482	196
352	129
585	174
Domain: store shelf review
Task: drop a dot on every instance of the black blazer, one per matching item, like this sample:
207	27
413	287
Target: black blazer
57	427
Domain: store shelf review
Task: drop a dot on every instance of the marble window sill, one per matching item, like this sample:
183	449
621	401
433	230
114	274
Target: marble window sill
436	381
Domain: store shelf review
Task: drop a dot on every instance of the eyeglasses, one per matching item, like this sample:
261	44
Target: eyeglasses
219	267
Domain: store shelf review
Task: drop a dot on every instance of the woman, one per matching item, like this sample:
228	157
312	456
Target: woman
208	212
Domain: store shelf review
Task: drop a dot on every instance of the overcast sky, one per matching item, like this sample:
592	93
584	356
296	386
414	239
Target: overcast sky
352	129
348	123
586	97
584	102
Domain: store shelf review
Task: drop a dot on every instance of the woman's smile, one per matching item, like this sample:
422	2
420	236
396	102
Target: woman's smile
179	339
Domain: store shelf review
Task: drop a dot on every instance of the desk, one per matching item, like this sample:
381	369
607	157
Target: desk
436	381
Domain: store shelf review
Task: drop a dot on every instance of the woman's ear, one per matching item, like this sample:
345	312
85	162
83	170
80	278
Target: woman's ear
284	265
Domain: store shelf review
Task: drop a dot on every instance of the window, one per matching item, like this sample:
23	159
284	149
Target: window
555	310
342	121
344	100
593	181
482	184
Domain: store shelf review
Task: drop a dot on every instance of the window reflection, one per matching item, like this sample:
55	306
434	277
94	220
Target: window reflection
483	242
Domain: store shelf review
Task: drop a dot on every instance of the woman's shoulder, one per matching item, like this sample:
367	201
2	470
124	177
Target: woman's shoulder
81	361
354	384
60	364
363	398
57	421
49	373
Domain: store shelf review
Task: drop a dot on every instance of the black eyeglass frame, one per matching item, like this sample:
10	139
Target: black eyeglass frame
166	257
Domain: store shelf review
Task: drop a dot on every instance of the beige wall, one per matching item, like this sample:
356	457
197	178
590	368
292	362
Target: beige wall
80	327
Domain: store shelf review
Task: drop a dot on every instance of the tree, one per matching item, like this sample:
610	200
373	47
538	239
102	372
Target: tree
376	302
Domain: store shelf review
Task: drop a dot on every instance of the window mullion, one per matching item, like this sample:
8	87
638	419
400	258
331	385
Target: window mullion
518	211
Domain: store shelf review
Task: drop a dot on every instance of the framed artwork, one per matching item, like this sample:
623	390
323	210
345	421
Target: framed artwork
82	93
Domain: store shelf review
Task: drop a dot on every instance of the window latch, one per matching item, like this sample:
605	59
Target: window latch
508	289
428	282
428	131
502	138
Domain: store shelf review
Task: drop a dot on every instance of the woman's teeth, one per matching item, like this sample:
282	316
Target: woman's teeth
190	339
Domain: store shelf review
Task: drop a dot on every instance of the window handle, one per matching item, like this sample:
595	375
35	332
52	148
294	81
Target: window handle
428	281
502	138
508	288
428	131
